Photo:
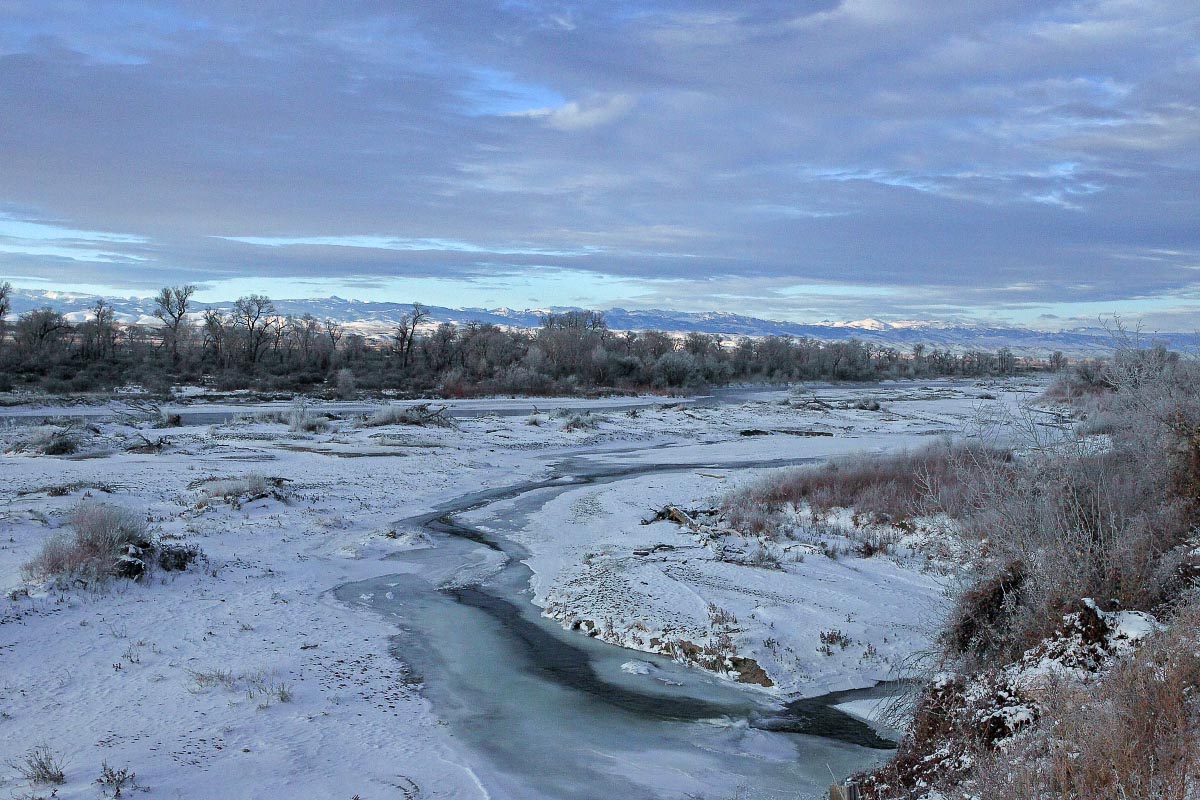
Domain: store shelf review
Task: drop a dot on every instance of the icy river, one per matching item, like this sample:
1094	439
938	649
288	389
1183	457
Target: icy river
549	713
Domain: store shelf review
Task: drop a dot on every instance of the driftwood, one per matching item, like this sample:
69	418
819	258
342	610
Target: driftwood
148	446
432	416
658	548
681	517
421	414
137	412
146	412
847	791
676	515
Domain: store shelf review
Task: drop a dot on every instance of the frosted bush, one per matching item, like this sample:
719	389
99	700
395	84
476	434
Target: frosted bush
300	419
105	541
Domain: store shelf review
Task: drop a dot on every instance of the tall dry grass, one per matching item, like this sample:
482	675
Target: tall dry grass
100	536
1134	733
889	488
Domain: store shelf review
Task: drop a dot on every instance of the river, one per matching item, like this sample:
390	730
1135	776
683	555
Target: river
541	712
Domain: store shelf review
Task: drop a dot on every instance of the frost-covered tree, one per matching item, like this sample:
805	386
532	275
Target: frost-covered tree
171	306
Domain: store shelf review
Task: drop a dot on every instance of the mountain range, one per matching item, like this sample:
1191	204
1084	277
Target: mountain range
379	318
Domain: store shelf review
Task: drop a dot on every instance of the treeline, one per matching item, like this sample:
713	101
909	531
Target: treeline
253	346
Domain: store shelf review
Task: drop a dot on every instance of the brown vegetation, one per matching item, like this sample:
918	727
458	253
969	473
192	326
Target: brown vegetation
886	489
106	541
1037	694
1134	733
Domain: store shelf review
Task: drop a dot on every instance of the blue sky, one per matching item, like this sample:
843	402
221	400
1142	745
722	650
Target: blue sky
1034	162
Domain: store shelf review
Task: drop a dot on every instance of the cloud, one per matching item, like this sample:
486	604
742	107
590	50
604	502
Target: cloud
985	155
576	116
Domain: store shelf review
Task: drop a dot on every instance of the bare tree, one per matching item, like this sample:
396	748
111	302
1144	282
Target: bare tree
306	332
335	331
252	314
215	331
99	331
280	329
37	330
406	332
5	305
171	306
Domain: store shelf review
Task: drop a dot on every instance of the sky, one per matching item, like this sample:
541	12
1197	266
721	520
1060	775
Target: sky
1030	162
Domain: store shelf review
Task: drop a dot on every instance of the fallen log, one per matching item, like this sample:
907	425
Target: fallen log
680	517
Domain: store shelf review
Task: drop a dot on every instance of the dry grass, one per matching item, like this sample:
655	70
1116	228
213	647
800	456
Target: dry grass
105	542
1135	733
40	765
301	420
262	685
886	489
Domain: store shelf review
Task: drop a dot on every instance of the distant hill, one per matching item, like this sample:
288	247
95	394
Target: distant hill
373	319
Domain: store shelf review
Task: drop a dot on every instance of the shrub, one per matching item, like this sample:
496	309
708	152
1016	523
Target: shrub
300	419
581	422
60	444
115	780
872	540
835	637
1085	380
40	765
49	439
107	541
982	612
763	556
169	419
1073	752
177	557
1114	520
346	385
1074	525
676	368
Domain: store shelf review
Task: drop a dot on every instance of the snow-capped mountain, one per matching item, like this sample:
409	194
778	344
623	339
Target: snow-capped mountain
378	318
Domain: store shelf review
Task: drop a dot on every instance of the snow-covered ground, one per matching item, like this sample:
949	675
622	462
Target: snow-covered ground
245	677
658	587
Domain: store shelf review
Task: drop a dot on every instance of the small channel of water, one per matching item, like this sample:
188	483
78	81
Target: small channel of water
547	713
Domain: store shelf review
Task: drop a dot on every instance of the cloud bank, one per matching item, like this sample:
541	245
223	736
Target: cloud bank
1006	159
